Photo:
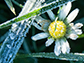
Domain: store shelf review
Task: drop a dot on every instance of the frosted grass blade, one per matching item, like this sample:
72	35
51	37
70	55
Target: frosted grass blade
37	11
10	5
68	57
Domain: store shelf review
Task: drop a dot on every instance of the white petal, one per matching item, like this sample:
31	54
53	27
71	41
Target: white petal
78	25
51	15
72	15
39	19
65	46
65	10
49	42
57	48
37	26
42	22
45	25
73	28
40	36
78	31
69	32
71	24
73	36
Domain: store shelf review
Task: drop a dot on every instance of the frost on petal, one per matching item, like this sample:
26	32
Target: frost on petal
37	26
72	15
78	31
65	46
78	25
57	48
41	23
39	19
65	10
73	36
45	25
72	26
49	42
40	36
51	15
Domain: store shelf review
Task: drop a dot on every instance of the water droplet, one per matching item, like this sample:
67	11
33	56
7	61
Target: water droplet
12	35
11	55
18	31
8	46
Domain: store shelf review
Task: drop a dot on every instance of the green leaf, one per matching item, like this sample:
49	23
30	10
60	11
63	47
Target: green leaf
80	21
68	57
10	5
81	36
38	11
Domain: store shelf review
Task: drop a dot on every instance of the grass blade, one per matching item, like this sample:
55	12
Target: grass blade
68	57
35	12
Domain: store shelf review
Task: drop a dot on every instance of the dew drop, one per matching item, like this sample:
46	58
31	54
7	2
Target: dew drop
12	35
10	55
8	46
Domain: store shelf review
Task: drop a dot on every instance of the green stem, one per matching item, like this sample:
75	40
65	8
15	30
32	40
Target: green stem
35	12
68	57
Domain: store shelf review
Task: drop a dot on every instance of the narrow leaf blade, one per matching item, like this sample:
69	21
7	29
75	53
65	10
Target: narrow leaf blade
10	5
35	12
68	57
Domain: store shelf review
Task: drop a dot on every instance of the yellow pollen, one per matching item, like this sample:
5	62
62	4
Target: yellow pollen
59	31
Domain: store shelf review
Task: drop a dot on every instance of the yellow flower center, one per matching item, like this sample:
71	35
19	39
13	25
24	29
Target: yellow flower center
57	30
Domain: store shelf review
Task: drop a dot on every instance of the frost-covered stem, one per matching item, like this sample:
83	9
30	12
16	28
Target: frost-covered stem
13	42
27	7
36	11
68	57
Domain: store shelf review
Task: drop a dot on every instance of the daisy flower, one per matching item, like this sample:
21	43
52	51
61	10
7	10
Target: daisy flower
58	29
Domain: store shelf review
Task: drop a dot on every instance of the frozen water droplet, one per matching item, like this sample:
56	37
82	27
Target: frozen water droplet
10	55
12	35
8	46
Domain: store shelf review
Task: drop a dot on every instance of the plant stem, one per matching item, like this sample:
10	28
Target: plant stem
35	12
